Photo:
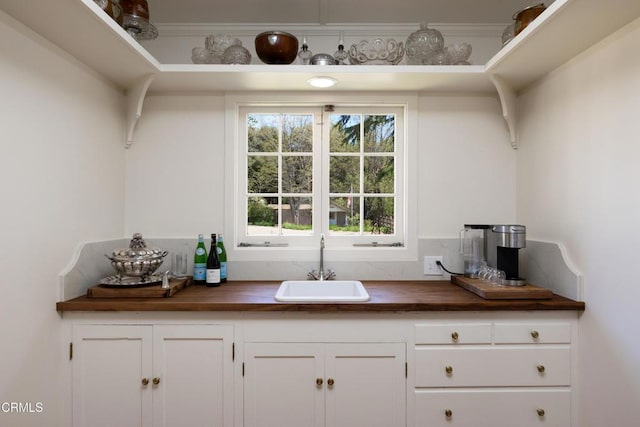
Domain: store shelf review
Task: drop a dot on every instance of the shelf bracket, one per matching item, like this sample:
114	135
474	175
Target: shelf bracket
508	103
135	99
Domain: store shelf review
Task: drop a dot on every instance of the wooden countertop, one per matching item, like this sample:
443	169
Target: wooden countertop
259	296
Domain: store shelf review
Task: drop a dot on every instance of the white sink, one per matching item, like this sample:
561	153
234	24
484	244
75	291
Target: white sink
321	291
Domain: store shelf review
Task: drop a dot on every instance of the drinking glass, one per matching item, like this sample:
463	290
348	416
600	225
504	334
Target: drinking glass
179	264
497	277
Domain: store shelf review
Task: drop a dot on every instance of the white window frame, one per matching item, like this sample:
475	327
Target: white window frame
398	236
241	176
406	180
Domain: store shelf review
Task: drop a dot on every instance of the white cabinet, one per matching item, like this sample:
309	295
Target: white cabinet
315	384
109	365
195	366
328	369
161	375
280	387
497	374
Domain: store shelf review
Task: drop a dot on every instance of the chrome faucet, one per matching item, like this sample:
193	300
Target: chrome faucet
312	275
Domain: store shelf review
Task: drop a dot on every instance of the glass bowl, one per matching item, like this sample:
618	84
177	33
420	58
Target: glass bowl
377	51
423	45
459	53
236	54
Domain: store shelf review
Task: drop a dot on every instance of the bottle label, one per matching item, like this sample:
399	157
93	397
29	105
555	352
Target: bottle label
223	270
213	275
200	251
199	272
219	250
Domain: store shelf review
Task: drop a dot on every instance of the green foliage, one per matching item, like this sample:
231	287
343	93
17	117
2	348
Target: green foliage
262	174
259	213
262	133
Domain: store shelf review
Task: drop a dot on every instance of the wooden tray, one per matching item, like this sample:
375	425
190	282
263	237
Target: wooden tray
155	291
488	291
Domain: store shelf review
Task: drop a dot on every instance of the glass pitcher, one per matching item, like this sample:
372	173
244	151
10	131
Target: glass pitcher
473	238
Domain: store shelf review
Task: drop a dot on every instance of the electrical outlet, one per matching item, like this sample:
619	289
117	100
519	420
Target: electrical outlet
430	266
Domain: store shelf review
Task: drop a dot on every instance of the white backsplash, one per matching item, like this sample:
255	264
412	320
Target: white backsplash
542	263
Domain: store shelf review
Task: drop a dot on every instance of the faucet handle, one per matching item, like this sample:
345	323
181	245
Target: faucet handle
331	275
312	275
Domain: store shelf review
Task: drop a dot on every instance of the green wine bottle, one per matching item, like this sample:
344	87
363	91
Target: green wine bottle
222	255
200	262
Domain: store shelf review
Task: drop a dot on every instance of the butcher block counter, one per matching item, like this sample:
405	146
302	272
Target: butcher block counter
259	296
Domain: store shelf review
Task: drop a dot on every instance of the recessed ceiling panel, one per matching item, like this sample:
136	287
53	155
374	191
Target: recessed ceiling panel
335	11
234	11
408	11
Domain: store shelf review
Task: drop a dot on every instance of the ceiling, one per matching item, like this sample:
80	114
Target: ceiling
335	11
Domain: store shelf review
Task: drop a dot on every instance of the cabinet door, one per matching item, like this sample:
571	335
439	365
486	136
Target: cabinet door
109	365
193	367
280	388
366	385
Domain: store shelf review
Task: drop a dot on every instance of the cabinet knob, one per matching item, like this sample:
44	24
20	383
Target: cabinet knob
535	335
540	368
540	412
330	382
454	336
156	381
448	413
318	381
145	381
448	369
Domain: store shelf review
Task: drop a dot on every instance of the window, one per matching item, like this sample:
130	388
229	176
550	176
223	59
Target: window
362	159
304	170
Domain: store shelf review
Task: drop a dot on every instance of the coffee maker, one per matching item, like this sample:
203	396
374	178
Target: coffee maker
503	244
498	245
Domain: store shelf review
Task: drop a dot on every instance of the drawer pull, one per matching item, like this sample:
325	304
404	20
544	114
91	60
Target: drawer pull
540	412
448	370
535	335
448	413
318	382
156	381
454	336
330	382
540	368
145	381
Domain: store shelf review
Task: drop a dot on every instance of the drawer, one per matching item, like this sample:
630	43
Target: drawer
484	366
493	408
454	333
532	333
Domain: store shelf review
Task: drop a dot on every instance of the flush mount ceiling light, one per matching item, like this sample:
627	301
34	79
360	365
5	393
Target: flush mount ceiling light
322	82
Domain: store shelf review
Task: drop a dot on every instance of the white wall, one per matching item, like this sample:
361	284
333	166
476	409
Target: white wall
466	166
62	182
175	166
578	178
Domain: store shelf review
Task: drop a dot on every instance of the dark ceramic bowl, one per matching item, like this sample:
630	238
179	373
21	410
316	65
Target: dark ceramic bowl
276	47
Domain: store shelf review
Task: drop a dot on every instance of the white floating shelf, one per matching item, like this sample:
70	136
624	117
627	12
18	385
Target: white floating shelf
564	30
196	78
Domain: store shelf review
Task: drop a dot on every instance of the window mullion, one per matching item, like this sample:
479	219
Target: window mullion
361	177
280	175
322	190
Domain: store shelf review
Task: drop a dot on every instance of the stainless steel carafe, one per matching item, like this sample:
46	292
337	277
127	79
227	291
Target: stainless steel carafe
473	246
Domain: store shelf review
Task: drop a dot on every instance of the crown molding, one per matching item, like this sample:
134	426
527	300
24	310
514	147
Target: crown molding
348	30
